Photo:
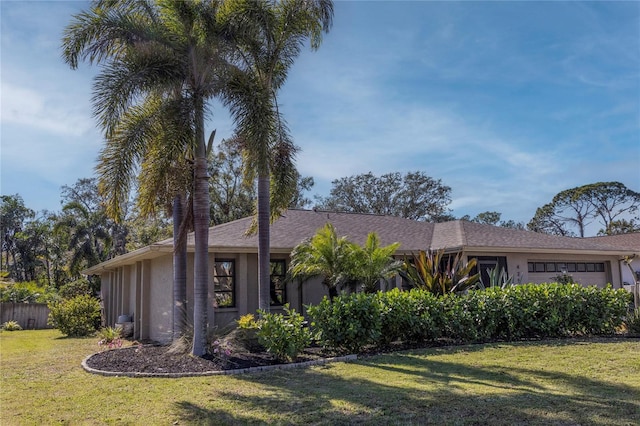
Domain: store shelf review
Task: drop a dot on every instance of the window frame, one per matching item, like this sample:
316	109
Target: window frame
273	291
233	283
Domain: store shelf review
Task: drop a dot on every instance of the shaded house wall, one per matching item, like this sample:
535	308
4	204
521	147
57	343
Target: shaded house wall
144	290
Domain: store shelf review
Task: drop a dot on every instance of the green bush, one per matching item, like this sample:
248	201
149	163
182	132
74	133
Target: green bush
26	292
348	322
75	288
412	316
75	317
284	336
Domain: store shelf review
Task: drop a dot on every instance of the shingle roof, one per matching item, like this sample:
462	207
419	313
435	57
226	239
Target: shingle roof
622	241
297	225
294	226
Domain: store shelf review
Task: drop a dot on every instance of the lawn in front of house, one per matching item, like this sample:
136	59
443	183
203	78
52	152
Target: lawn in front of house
548	382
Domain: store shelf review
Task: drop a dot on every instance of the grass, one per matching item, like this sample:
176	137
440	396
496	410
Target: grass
549	382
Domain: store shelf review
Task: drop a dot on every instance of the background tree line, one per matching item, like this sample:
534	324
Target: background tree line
53	247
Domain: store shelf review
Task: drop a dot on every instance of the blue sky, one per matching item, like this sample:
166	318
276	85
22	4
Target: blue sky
508	103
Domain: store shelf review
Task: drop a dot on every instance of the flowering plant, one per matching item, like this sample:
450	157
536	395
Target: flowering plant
221	350
110	338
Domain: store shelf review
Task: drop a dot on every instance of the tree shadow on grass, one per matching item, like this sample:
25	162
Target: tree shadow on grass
406	388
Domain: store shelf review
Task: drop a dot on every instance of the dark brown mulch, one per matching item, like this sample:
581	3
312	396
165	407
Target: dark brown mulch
160	359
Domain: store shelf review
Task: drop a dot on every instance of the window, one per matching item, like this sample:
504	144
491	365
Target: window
567	267
224	283
278	275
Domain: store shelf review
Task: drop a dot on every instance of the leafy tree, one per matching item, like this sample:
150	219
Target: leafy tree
268	36
325	255
157	51
13	218
493	218
571	211
232	195
488	218
621	226
299	200
373	263
413	196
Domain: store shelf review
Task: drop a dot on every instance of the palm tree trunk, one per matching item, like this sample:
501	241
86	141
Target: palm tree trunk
264	213
179	270
201	233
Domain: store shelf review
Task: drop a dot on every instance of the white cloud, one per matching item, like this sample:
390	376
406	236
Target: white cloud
50	112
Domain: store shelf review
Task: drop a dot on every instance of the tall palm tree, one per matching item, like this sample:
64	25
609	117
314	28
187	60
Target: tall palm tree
268	35
156	49
155	135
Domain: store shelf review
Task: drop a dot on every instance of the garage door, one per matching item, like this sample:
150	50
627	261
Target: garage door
586	273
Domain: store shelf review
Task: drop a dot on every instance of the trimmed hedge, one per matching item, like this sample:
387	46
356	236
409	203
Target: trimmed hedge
530	311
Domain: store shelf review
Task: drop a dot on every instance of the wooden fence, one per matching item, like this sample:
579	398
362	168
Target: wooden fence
30	316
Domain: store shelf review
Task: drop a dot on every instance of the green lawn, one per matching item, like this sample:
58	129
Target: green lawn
551	382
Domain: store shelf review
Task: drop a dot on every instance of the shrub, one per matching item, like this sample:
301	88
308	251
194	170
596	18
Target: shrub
75	288
11	326
110	337
284	336
349	322
26	292
632	322
412	316
75	317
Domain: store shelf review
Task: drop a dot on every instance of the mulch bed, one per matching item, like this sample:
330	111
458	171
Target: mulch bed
160	359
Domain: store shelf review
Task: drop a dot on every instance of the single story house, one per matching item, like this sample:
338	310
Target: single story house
139	283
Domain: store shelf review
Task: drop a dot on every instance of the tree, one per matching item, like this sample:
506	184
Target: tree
90	241
373	263
168	50
493	218
622	226
325	255
413	196
268	36
232	195
13	218
571	211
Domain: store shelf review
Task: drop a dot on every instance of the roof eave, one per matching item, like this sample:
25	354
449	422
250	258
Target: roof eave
147	252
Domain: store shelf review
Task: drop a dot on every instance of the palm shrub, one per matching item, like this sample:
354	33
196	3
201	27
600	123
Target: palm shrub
76	317
284	336
429	270
373	263
325	255
347	323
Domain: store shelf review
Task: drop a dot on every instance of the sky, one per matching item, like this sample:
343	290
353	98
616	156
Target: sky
507	103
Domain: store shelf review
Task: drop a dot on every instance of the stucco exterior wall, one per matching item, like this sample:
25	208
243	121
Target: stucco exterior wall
160	299
517	266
